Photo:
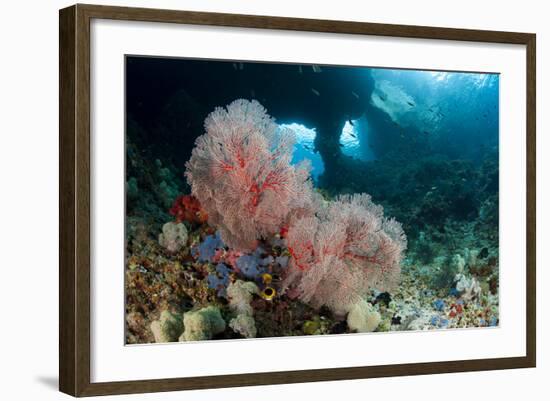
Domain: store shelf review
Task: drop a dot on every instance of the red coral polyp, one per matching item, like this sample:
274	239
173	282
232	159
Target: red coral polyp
188	208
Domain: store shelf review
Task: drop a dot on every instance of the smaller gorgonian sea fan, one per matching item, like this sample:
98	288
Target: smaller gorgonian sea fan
240	172
344	250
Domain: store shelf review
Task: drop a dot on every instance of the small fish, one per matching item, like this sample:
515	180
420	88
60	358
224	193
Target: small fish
353	135
300	71
316	92
235	67
411	104
382	98
315	68
351	123
426	132
355	94
252	93
341	145
434	188
241	66
308	147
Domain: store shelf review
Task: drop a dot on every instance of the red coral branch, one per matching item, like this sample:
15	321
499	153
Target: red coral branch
188	208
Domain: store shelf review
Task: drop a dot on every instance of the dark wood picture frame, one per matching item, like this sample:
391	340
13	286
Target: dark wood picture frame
74	202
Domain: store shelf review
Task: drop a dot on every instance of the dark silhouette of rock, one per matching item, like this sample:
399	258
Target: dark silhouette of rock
171	97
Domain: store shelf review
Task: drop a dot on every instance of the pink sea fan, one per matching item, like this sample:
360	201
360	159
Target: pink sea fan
342	252
240	171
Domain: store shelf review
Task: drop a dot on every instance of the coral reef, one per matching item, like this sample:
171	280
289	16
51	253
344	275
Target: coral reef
157	281
240	170
151	185
256	246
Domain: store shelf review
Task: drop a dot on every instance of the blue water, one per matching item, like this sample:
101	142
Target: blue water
304	149
354	140
458	111
461	108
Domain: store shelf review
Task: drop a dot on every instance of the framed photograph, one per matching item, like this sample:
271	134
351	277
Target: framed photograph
250	200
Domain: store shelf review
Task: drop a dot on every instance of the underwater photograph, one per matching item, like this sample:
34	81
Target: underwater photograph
279	199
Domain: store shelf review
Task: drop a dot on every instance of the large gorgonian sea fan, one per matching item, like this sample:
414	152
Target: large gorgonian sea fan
241	172
341	252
